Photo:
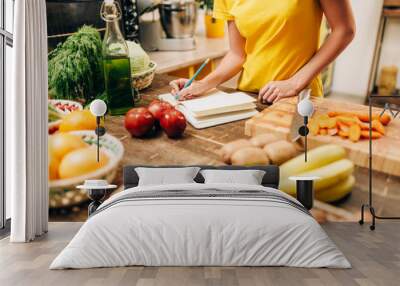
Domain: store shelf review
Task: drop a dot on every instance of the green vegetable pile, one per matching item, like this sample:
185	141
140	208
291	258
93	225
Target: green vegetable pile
76	66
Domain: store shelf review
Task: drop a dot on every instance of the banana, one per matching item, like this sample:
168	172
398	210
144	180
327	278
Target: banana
317	157
330	175
337	192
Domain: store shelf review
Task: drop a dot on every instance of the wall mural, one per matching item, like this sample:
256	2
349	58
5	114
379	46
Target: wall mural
97	56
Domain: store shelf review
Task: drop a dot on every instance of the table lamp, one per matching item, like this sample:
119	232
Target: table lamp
305	108
98	108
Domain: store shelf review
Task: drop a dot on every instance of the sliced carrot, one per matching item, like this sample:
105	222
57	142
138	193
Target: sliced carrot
355	132
364	125
343	134
323	131
362	115
343	127
347	120
385	119
333	131
378	126
333	113
375	134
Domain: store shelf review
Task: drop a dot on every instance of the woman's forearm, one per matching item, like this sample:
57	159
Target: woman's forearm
341	20
334	45
230	65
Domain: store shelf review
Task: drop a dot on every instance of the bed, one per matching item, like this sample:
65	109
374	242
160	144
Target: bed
201	224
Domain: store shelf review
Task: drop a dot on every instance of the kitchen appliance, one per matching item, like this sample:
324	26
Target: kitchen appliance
167	25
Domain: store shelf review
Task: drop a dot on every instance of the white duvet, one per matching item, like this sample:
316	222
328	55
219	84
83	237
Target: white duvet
201	231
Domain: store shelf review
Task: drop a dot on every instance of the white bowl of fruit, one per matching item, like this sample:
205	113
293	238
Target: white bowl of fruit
73	159
58	108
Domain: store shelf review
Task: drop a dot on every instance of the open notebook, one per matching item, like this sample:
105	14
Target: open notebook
215	108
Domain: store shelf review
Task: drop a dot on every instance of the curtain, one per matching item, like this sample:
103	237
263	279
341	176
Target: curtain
27	123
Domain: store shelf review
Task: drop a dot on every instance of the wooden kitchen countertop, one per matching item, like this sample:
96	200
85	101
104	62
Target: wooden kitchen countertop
195	147
201	147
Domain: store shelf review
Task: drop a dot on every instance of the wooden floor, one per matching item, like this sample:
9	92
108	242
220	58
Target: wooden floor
375	257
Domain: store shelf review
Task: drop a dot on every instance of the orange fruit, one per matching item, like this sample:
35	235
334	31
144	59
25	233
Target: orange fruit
78	120
61	144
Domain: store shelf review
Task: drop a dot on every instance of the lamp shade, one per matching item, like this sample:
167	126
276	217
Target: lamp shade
305	107
98	107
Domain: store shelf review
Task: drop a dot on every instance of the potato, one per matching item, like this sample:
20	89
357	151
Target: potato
61	144
263	139
280	151
249	156
80	162
228	149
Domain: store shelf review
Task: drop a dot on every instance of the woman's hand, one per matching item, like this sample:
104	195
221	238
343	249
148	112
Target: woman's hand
197	88
276	90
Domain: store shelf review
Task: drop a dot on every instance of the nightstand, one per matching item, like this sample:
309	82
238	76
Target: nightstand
305	189
97	191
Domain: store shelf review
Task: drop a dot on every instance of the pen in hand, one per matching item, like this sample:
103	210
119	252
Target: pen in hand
190	81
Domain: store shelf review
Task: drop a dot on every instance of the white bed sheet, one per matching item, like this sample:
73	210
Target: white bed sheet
200	232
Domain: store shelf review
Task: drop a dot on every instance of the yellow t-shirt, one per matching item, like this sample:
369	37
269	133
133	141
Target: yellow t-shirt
281	37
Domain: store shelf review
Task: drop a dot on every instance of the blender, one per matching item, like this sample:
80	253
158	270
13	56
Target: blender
167	25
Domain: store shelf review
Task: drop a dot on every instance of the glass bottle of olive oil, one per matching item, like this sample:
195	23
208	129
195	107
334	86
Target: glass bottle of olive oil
117	70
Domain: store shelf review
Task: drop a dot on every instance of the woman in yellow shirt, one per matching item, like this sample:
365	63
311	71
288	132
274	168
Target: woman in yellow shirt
275	44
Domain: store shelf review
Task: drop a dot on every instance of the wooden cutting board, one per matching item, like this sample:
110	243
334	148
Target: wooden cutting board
278	120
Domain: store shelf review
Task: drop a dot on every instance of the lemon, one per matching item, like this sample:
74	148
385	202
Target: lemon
81	161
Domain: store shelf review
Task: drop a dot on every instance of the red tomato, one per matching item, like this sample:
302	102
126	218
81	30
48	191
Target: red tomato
139	121
173	122
157	108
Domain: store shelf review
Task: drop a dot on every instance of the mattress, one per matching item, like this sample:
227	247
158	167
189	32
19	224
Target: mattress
201	225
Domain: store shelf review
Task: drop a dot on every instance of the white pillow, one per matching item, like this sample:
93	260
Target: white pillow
247	177
166	176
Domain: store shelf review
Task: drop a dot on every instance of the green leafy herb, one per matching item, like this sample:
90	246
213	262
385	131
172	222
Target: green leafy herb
76	66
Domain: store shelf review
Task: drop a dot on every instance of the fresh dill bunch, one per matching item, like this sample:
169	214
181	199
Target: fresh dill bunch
76	66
